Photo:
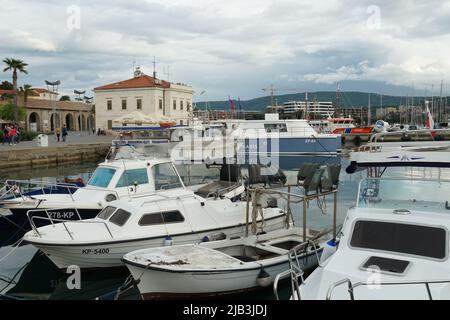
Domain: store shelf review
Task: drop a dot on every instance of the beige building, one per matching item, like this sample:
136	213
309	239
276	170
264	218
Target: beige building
45	115
42	94
153	97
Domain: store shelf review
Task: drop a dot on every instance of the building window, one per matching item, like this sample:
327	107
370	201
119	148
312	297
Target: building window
124	104
109	105
109	124
188	106
160	104
139	104
174	104
181	105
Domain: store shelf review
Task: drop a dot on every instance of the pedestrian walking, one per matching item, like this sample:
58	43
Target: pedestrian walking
13	135
64	133
5	135
58	133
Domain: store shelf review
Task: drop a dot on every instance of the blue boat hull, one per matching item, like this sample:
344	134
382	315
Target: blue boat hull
290	153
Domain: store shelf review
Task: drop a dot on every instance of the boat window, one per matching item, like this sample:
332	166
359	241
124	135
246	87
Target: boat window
275	127
120	217
165	177
160	218
196	174
106	213
411	239
407	194
133	176
101	177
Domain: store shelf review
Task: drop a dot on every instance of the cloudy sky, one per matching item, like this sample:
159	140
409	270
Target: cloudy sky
233	47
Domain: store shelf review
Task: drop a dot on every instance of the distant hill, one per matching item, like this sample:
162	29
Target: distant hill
349	99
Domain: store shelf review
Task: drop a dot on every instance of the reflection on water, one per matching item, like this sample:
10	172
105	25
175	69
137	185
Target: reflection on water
27	273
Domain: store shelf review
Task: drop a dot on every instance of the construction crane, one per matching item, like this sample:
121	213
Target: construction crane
272	91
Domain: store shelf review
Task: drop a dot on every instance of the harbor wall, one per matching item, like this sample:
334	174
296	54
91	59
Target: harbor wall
52	156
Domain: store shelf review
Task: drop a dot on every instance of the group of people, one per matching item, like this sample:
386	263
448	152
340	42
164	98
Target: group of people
10	135
64	133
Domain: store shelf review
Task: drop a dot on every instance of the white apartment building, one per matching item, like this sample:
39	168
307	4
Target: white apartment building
153	97
322	109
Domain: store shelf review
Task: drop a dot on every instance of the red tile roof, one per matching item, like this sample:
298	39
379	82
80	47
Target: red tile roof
2	92
41	90
143	81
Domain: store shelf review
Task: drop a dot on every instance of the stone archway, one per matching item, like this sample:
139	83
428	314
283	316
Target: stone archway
82	123
34	122
54	121
69	122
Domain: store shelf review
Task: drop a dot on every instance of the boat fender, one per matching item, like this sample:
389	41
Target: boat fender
264	279
168	241
214	237
328	250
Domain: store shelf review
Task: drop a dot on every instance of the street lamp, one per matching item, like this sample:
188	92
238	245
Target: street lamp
54	85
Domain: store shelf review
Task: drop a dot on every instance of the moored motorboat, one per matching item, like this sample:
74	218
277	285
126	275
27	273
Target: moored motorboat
394	245
219	268
172	213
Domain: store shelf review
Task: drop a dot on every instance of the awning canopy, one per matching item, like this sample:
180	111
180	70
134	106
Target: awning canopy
136	117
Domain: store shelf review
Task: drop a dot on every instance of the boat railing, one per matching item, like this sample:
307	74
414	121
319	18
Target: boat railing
164	198
295	271
31	219
13	188
224	190
428	132
351	287
18	188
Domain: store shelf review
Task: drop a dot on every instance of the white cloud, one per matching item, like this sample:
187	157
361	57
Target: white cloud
230	47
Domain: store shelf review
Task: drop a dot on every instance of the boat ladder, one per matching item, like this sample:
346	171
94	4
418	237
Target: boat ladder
295	271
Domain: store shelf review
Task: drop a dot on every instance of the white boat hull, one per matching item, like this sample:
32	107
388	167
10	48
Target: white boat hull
109	254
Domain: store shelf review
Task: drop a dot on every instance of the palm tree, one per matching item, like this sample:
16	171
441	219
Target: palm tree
25	89
15	65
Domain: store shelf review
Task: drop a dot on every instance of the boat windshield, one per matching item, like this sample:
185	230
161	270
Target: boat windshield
423	195
196	174
101	177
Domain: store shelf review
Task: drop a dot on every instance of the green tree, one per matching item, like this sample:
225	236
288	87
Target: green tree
15	66
6	85
64	98
8	112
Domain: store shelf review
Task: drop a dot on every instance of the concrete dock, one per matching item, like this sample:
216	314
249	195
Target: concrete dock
78	149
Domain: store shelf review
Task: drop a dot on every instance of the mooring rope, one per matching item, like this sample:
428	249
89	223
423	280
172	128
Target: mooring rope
13	249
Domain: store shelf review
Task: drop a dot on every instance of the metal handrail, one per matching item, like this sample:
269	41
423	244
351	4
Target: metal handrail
295	271
164	197
351	286
48	216
68	186
63	221
220	191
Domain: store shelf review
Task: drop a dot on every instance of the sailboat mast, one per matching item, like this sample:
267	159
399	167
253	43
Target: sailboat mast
440	102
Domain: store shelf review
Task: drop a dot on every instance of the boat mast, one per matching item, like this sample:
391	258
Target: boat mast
338	96
440	103
368	113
